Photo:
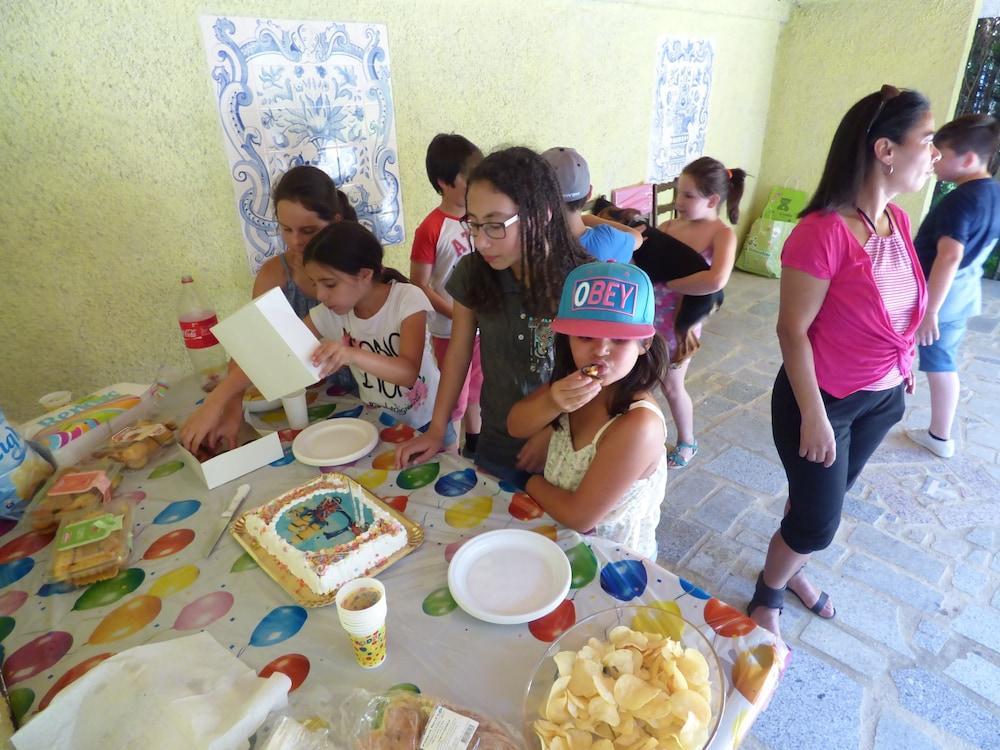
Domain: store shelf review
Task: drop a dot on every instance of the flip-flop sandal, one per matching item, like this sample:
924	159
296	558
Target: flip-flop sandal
675	460
817	607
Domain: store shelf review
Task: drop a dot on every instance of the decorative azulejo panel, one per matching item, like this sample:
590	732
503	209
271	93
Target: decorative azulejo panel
305	92
680	105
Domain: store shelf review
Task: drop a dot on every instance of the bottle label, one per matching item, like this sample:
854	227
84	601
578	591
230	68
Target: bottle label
197	334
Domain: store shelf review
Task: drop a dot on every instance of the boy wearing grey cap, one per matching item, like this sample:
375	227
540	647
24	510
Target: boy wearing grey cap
605	240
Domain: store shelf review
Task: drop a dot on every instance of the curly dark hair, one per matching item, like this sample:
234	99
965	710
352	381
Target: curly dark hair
649	371
548	250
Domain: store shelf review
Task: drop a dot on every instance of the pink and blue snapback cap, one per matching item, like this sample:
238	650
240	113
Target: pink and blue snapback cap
606	300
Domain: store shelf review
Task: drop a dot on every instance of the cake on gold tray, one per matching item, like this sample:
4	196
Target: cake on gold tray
322	534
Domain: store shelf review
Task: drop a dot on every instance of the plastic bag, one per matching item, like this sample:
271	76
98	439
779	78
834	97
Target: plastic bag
286	733
22	471
762	247
401	720
784	204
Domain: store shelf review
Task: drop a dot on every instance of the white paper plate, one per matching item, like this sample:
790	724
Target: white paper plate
256	406
257	403
335	441
509	576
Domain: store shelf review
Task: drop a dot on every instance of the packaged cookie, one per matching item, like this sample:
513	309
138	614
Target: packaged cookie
81	487
22	471
92	545
135	445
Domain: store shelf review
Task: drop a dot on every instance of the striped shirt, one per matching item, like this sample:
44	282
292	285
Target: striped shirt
896	280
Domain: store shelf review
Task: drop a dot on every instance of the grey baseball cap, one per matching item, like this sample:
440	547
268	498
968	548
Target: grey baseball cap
571	172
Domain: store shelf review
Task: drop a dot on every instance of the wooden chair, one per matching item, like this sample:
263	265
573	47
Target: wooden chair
664	201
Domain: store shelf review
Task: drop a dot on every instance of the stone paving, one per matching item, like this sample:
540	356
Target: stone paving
912	659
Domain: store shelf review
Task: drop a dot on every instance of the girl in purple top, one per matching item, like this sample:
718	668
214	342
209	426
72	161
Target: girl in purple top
852	296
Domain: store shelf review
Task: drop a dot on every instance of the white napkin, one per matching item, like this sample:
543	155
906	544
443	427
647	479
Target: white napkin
184	693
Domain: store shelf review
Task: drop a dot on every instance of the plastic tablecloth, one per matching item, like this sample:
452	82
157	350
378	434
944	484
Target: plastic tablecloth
52	633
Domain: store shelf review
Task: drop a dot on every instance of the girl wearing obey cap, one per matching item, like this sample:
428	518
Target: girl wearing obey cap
606	470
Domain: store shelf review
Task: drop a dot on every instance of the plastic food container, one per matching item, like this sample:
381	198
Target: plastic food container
92	545
82	487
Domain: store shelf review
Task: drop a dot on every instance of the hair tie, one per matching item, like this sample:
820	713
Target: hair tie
729	173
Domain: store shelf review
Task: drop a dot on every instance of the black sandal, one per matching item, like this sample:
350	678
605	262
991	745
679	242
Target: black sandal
817	607
765	596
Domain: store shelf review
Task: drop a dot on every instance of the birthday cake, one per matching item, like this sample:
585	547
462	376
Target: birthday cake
326	532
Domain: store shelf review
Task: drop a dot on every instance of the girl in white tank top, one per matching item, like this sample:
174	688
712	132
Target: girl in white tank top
606	470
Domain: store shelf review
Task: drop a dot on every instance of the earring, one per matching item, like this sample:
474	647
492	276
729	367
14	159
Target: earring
889	173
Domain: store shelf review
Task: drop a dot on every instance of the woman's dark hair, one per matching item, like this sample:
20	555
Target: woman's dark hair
312	188
712	178
889	113
977	133
649	371
548	250
349	247
347	211
448	156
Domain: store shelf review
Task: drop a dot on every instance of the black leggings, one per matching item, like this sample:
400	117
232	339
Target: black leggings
815	493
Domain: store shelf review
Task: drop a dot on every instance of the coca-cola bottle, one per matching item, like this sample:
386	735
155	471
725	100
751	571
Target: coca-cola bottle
196	317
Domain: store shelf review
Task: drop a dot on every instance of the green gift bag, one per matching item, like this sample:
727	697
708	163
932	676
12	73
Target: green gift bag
761	252
784	204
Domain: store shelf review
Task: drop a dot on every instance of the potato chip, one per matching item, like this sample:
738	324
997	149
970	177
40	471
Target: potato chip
675	678
600	710
605	687
582	681
622	635
564	662
684	702
635	691
580	740
619	660
555	708
632	693
693	666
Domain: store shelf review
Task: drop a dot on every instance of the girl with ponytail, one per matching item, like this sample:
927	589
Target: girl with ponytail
703	187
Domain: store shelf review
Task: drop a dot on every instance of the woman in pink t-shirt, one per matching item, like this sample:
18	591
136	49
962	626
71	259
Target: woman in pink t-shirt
852	296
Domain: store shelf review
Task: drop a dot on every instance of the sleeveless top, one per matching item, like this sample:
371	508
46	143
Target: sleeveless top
294	294
633	520
896	280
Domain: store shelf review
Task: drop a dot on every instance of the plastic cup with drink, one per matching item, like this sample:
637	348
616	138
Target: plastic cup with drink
361	607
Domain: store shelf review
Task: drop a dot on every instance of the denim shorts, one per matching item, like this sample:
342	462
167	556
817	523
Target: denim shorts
942	355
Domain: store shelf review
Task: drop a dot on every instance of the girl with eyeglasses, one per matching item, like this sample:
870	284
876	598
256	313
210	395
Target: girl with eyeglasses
509	289
852	296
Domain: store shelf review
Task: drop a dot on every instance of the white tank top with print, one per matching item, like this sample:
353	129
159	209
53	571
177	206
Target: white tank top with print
633	520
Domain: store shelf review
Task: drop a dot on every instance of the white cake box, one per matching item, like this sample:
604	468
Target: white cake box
235	463
271	345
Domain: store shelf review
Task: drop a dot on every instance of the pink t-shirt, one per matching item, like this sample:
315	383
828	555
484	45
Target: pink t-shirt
854	342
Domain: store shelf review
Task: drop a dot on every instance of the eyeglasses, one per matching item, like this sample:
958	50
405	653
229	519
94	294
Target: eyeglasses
495	230
887	92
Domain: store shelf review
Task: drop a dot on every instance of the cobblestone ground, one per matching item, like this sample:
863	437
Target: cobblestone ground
912	659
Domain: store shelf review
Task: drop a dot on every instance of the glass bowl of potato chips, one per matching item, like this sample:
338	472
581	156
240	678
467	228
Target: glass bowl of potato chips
626	678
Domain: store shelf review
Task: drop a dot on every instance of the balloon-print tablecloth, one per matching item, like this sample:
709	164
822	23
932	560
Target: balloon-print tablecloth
52	633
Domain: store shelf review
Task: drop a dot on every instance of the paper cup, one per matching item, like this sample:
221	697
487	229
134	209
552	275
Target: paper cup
55	399
369	650
296	411
365	626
